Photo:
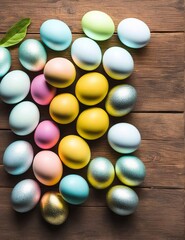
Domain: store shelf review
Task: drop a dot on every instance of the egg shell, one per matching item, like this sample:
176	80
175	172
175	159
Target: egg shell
14	87
42	92
133	32
86	53
24	118
18	157
5	61
55	34
118	63
74	189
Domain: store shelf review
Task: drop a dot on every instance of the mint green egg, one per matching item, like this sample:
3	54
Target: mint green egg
98	25
5	61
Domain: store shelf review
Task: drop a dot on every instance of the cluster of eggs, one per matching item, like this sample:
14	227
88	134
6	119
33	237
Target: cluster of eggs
91	124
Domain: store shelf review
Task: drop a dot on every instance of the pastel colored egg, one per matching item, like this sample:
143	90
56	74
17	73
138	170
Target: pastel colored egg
86	53
74	152
74	189
25	195
64	108
91	88
46	134
92	123
47	167
121	100
24	118
133	33
18	157
59	72
124	138
130	170
32	55
100	173
55	34
42	92
5	61
118	63
98	25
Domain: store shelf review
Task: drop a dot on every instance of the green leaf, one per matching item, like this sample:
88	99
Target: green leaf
16	33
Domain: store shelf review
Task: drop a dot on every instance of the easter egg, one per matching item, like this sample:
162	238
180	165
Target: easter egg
47	167
122	200
74	189
64	108
118	63
92	123
98	25
5	61
100	173
14	87
46	134
121	100
86	53
74	152
133	32
18	157
124	138
59	72
42	92
24	118
53	208
91	88
55	34
25	195
130	170
32	55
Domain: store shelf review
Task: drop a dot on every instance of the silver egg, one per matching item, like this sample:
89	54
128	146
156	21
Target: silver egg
122	200
25	195
121	100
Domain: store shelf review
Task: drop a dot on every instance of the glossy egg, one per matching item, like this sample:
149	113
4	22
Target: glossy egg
74	152
5	61
122	200
24	118
74	189
46	134
18	157
14	87
121	100
55	34
59	72
130	170
47	167
25	195
133	33
86	53
91	88
92	123
118	63
64	108
32	55
98	25
124	138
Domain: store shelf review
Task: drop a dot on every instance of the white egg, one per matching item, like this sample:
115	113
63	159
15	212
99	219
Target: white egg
5	61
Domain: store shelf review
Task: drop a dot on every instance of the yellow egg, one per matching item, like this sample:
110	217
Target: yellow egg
64	108
91	88
92	123
74	152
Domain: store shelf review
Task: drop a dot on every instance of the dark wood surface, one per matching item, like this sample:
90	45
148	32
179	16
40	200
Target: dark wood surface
159	115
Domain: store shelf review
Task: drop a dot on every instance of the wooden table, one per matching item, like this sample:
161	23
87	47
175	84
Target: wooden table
158	114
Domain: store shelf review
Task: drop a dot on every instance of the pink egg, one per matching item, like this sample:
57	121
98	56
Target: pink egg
46	134
47	167
42	93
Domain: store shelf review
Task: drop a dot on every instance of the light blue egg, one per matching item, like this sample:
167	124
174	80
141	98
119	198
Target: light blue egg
5	61
55	34
74	189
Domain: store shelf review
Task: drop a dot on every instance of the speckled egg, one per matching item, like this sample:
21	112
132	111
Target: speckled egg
5	61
